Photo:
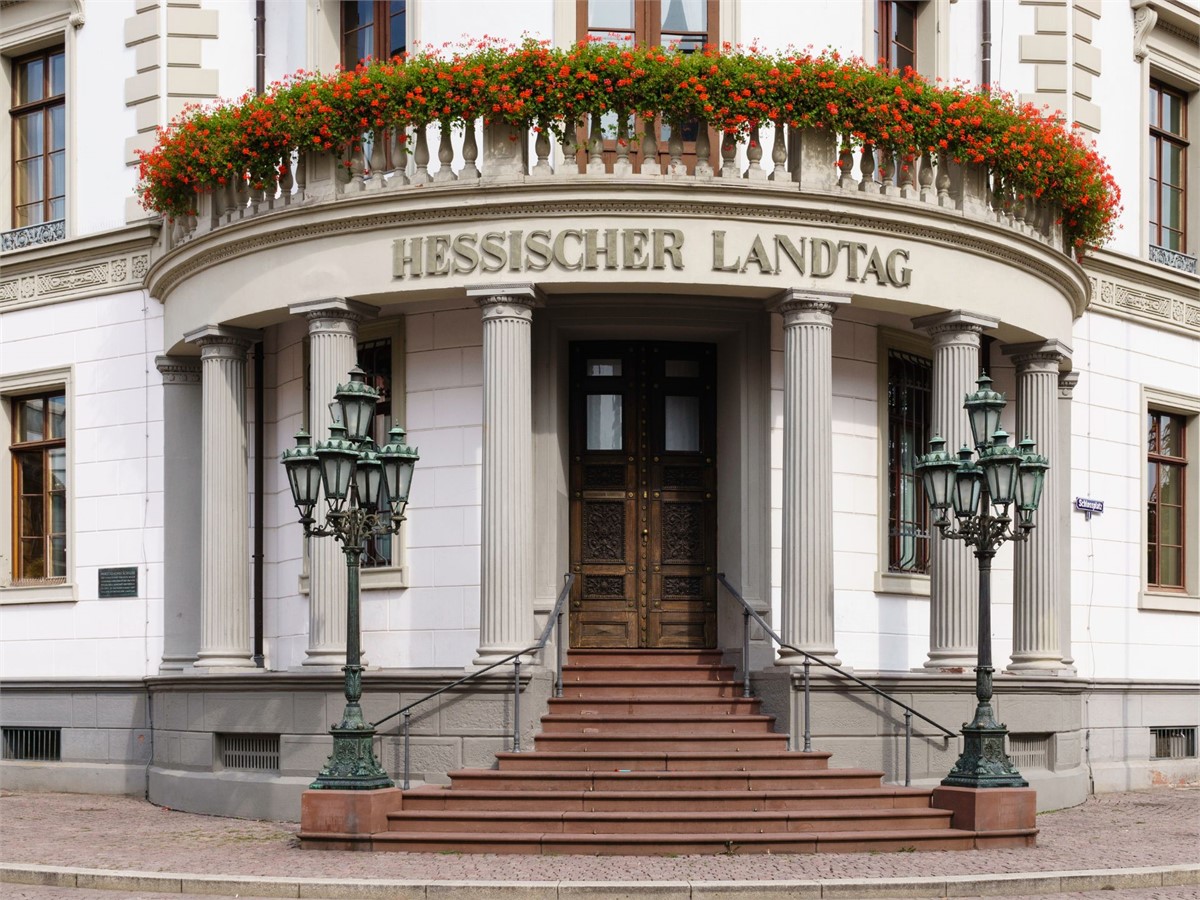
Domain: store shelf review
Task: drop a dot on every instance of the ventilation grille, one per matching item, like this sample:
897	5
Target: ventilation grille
1029	751
249	752
37	744
1173	743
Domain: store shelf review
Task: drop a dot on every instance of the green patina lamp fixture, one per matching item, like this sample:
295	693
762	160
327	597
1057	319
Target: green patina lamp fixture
366	492
980	493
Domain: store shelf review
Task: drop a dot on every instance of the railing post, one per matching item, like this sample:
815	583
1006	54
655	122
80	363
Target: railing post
517	705
558	656
907	747
746	653
407	716
807	707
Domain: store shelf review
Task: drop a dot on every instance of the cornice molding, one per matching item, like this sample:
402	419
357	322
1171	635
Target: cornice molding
99	264
233	240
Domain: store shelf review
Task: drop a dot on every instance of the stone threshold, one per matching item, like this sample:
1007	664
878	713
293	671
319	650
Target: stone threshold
985	885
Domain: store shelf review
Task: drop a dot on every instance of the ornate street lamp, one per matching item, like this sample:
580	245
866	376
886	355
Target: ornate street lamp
366	492
980	495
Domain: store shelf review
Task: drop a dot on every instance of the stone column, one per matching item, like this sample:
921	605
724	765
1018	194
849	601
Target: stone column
807	473
225	499
1066	389
1037	640
332	353
953	573
506	584
182	440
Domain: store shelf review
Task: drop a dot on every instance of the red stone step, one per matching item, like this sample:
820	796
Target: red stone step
635	658
645	674
683	725
437	797
659	740
665	688
766	780
655	706
664	761
668	822
667	844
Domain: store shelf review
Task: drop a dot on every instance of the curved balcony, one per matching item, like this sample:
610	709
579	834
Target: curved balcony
912	236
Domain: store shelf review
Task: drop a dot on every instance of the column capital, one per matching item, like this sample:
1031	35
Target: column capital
333	308
178	369
222	340
1038	354
1066	384
524	293
954	322
808	307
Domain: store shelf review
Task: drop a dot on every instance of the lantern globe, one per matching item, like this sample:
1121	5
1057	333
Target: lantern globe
1030	480
368	480
983	411
398	460
937	468
337	456
304	474
357	401
968	485
1001	465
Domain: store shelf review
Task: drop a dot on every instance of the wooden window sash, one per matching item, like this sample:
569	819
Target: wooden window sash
46	104
1160	137
381	42
1158	461
41	449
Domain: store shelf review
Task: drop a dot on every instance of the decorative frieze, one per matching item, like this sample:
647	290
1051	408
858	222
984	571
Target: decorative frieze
1112	296
74	282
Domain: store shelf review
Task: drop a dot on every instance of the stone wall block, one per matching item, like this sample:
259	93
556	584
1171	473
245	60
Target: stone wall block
430	759
195	710
1167	710
304	754
83	710
490	715
265	712
128	745
171	711
424	718
28	709
480	752
1068	750
310	713
84	745
196	751
121	710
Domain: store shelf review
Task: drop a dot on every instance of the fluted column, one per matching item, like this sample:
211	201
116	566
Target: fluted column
224	500
182	460
808	473
1037	641
953	573
332	353
1066	389
506	622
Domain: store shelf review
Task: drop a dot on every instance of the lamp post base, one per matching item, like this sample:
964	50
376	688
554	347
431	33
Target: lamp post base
984	762
352	765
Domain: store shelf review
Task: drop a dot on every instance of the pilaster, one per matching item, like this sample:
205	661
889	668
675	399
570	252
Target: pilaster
333	352
953	576
1066	390
224	501
182	533
807	465
1037	638
506	622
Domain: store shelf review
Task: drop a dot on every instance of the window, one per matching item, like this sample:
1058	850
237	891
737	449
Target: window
909	397
39	130
39	459
896	34
374	29
1166	473
687	24
1168	168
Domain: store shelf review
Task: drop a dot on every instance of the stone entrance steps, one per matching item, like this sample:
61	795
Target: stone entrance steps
657	752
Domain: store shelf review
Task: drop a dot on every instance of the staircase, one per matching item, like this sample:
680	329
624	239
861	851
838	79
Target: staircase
657	752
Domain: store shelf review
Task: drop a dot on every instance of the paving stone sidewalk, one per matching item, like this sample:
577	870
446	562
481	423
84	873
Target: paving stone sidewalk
1113	831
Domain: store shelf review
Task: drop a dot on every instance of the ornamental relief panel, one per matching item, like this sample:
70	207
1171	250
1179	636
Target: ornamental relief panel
603	531
1115	297
74	282
683	533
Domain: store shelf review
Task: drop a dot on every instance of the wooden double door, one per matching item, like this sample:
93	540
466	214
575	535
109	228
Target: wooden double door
643	494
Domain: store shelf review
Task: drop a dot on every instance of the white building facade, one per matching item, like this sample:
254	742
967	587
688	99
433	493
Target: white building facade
643	378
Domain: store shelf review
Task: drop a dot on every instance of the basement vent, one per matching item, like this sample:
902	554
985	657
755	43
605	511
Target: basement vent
1173	743
249	752
36	744
1029	751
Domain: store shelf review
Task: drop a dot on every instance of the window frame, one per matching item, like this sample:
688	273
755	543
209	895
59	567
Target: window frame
381	40
914	584
1160	136
885	24
1151	596
1159	460
17	387
647	19
44	106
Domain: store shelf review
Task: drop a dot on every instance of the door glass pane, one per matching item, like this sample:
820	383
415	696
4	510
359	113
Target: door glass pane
683	424
30	421
604	368
604	421
616	14
682	368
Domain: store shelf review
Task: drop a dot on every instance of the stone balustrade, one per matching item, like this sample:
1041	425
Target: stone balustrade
806	159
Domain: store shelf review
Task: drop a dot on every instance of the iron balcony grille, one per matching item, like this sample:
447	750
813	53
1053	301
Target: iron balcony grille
1173	743
1029	751
32	744
249	752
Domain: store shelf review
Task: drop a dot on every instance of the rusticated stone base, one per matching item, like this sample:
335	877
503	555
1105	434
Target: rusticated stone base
345	820
1000	817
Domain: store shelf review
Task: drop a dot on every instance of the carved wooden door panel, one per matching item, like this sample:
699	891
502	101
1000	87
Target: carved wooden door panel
643	494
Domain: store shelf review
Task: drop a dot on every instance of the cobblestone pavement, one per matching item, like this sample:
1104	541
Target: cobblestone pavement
1151	828
24	892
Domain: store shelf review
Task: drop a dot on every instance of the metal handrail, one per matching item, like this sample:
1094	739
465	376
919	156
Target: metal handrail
748	612
553	622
